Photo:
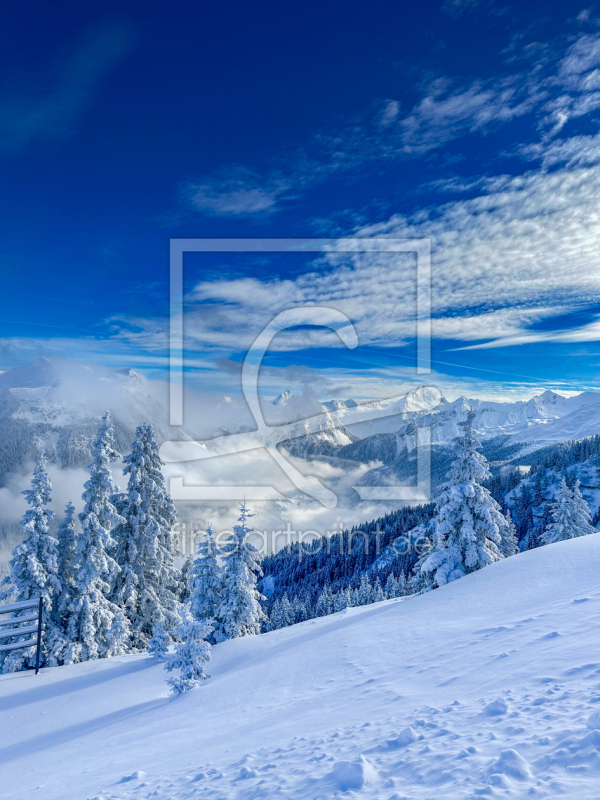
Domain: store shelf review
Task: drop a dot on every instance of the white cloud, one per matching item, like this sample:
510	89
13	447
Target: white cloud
238	193
582	56
439	118
524	250
586	333
448	109
576	151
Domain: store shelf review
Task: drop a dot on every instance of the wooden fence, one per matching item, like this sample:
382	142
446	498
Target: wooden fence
33	630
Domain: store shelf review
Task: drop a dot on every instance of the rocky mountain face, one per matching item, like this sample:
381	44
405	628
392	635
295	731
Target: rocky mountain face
506	429
326	441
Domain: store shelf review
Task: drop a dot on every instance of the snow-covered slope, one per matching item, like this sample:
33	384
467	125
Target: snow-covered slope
489	687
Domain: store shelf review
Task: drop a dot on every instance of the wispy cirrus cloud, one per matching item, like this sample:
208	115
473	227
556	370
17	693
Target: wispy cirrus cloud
456	8
523	251
51	109
236	192
560	82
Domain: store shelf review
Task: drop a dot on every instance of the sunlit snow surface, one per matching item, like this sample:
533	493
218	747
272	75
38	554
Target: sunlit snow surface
489	687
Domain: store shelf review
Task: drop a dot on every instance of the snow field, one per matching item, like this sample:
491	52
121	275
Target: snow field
488	687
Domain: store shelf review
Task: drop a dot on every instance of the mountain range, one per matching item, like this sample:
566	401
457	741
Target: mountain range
56	404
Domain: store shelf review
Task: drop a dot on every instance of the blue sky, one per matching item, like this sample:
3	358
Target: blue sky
474	124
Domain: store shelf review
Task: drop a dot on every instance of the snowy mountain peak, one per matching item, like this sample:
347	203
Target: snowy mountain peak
550	397
423	398
40	372
130	373
283	399
337	405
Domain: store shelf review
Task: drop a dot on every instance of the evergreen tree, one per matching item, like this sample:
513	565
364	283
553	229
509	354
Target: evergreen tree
324	603
240	613
544	521
97	628
340	601
571	478
191	654
509	544
538	489
184	579
378	594
545	481
570	514
287	612
158	646
365	590
67	555
582	518
300	611
468	525
148	586
533	539
391	587
205	580
34	574
403	588
523	503
275	622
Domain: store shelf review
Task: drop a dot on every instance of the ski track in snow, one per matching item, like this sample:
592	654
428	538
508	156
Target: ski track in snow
487	688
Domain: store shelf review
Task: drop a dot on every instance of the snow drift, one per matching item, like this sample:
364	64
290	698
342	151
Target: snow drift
489	686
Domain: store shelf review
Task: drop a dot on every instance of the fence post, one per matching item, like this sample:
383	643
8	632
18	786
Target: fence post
39	636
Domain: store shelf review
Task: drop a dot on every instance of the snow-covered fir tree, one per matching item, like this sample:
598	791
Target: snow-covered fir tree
365	590
97	628
570	515
340	601
191	654
391	587
378	594
184	579
300	611
34	574
581	512
324	605
240	612
403	588
274	622
67	554
205	581
468	530
509	544
158	646
287	612
149	585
